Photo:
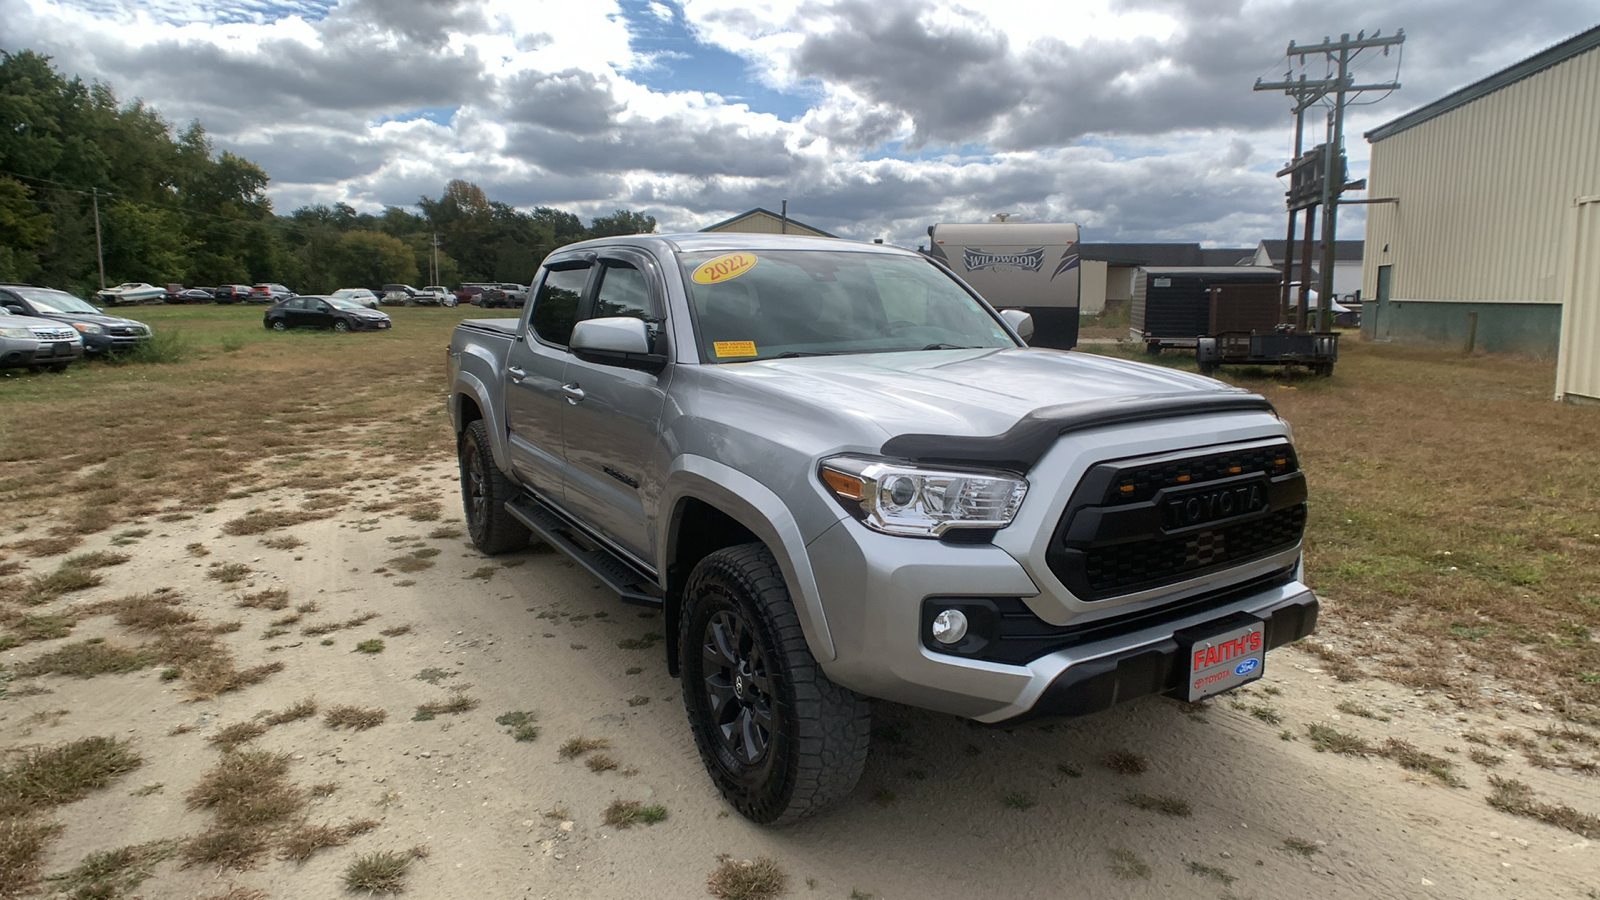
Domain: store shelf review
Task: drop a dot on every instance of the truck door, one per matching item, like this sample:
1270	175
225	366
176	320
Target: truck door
535	404
614	413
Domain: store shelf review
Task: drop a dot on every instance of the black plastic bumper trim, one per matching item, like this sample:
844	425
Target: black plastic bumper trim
1099	684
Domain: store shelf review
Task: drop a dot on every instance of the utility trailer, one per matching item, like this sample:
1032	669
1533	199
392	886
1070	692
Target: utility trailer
1031	266
1174	306
1317	351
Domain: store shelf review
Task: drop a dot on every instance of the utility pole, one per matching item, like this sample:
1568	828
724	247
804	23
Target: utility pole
433	266
1307	92
99	252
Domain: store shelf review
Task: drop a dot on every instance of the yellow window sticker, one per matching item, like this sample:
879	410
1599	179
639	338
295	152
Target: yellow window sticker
723	268
733	348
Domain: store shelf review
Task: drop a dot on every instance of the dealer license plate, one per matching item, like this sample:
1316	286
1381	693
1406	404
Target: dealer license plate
1221	660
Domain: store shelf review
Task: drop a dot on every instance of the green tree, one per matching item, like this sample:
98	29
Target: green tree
371	259
622	222
23	230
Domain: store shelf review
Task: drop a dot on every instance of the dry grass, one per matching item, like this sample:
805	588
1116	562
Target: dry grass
457	704
49	776
1128	865
246	789
239	892
238	733
113	873
601	762
354	717
578	746
303	709
271	598
282	542
22	843
87	659
381	873
1165	804
1325	739
1126	762
628	813
260	521
304	840
228	573
746	879
1515	797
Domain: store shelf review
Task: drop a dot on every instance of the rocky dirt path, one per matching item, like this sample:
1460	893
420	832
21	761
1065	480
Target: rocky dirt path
1154	799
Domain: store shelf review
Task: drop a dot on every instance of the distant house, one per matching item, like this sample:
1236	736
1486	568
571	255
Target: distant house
764	221
1485	216
1346	264
1106	270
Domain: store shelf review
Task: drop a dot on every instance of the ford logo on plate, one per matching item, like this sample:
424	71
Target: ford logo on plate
1246	667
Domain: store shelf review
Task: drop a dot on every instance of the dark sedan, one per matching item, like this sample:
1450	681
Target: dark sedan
324	312
102	333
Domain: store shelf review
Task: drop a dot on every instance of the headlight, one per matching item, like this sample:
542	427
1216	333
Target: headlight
16	332
89	328
899	499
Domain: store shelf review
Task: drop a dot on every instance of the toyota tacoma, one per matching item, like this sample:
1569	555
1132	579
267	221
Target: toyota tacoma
840	474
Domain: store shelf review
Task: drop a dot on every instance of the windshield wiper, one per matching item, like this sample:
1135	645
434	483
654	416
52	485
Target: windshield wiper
948	347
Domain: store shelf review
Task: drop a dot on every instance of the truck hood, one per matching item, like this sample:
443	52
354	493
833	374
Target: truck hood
962	392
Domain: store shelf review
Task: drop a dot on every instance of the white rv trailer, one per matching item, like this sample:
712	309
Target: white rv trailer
1032	266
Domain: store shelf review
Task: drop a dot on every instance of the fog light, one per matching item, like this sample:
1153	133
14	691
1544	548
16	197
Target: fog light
950	626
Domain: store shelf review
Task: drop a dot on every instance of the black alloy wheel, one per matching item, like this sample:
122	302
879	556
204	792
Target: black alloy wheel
779	739
484	492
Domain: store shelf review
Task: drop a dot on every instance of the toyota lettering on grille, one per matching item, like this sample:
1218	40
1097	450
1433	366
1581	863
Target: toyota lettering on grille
1204	507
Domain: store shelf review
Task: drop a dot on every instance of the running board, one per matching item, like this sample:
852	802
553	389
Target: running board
616	573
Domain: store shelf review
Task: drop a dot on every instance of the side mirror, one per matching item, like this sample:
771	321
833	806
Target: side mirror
615	341
1020	322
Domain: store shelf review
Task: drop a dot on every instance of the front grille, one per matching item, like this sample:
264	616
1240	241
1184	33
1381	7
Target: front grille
1123	568
55	334
1134	525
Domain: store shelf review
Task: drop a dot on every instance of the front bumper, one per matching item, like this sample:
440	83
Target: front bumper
17	352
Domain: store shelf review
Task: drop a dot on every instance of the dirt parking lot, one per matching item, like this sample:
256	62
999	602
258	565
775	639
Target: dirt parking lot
277	669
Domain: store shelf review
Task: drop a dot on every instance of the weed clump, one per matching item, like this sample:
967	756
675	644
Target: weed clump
520	724
89	658
304	709
1515	797
354	717
1165	804
746	879
383	872
627	813
236	734
1128	865
1126	762
578	746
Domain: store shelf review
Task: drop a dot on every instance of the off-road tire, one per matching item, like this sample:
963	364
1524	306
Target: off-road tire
484	492
816	746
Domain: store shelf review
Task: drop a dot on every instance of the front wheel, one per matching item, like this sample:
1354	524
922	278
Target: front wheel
779	739
341	325
484	492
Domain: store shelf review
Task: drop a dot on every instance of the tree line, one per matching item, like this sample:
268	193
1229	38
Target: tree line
173	209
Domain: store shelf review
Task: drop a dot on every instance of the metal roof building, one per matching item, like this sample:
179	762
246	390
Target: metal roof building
1485	220
764	221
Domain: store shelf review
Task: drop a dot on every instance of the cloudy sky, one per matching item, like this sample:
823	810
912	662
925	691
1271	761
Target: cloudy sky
873	118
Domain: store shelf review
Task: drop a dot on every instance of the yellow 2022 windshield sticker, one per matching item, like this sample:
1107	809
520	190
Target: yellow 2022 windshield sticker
723	268
733	348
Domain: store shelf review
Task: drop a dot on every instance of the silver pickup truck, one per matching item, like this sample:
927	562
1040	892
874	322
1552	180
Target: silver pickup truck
842	475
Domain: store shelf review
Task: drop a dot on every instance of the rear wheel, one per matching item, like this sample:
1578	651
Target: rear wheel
279	325
484	492
779	739
1153	348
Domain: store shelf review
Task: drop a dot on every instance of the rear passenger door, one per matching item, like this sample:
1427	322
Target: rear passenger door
613	414
535	366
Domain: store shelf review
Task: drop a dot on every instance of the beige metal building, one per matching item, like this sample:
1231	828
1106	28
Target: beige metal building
1488	220
762	221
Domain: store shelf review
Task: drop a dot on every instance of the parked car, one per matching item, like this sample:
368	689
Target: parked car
404	295
101	333
445	297
268	293
314	311
193	295
468	292
231	293
839	473
131	292
36	343
506	295
359	295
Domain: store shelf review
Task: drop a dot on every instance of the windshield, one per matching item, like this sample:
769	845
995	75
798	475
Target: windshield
771	303
55	301
342	303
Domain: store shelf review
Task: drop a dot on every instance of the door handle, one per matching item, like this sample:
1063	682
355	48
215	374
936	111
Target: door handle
573	392
517	373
